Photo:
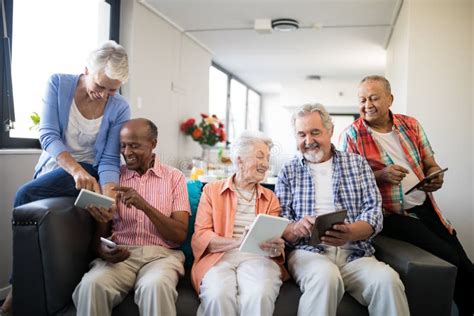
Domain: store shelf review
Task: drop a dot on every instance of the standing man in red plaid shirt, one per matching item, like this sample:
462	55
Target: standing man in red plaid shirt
400	155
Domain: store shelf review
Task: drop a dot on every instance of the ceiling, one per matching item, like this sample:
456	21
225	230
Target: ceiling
349	43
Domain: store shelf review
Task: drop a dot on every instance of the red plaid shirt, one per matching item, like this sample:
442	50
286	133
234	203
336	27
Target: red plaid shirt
357	138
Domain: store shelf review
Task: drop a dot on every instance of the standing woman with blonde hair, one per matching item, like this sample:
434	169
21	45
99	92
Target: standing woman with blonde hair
79	131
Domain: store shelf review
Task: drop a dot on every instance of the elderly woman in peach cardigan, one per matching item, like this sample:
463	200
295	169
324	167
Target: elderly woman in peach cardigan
230	282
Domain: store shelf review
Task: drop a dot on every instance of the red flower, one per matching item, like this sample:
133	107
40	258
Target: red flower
197	133
223	136
209	131
184	127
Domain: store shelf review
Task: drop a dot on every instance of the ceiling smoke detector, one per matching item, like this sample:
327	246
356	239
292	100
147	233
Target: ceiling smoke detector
313	77
285	25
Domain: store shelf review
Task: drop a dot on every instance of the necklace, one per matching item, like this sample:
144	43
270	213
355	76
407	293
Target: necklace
241	195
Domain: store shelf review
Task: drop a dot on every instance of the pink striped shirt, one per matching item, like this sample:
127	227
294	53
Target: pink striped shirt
162	186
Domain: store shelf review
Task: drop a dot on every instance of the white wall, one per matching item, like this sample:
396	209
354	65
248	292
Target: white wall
169	79
337	95
15	169
439	81
397	61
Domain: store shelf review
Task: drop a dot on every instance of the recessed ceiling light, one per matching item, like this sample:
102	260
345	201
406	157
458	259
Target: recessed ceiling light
285	25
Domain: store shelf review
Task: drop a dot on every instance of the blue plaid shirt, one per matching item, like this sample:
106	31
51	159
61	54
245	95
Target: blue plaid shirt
354	189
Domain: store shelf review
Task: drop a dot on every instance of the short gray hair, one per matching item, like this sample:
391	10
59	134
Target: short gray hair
382	79
243	145
312	108
112	59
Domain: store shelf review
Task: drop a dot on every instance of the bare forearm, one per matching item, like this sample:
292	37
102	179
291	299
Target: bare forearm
169	228
289	233
361	230
68	163
222	244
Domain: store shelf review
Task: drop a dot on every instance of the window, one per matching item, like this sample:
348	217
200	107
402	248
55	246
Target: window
237	113
253	111
47	37
218	82
233	101
341	121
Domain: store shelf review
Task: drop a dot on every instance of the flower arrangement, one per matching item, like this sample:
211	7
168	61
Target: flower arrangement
209	131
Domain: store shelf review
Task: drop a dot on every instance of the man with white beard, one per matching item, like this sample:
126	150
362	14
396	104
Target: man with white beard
322	180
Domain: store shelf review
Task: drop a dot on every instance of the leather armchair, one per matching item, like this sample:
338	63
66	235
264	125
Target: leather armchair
51	249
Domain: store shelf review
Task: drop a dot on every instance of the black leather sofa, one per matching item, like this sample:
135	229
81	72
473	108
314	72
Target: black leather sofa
51	241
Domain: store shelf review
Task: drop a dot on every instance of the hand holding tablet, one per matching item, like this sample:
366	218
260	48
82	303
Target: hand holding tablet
101	207
87	198
426	180
325	222
264	228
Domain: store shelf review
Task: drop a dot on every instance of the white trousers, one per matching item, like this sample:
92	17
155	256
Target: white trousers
240	284
153	272
323	278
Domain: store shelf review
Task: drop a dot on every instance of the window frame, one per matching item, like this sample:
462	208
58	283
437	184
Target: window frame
230	77
7	142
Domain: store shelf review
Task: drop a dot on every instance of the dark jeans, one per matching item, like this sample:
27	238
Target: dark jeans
430	234
52	184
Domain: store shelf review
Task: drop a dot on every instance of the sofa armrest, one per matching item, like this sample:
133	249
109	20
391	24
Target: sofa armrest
429	280
51	241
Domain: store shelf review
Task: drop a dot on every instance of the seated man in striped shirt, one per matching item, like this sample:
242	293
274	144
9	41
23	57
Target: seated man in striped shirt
321	180
150	223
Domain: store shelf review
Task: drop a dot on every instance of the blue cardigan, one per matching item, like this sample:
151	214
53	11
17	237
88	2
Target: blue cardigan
54	119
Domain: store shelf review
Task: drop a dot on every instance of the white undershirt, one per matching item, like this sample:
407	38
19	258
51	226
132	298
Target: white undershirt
245	213
322	179
80	137
391	144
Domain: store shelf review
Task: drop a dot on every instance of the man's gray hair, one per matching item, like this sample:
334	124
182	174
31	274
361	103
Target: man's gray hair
312	108
112	59
382	79
243	145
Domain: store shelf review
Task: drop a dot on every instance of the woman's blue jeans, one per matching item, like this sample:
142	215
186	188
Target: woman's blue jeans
52	184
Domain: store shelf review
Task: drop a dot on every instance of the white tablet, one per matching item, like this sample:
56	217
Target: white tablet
263	228
86	198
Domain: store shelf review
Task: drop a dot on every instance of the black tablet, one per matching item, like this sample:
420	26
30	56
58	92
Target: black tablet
325	222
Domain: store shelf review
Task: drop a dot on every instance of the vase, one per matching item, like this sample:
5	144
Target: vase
206	152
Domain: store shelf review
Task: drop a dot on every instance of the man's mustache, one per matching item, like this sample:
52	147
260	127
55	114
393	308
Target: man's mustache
314	145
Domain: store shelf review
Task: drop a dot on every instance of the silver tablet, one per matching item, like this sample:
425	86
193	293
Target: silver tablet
86	198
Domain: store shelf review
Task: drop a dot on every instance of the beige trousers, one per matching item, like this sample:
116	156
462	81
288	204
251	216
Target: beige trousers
240	284
152	271
323	278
